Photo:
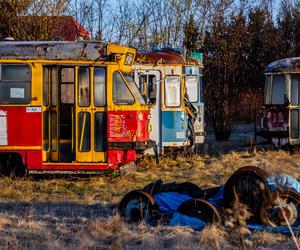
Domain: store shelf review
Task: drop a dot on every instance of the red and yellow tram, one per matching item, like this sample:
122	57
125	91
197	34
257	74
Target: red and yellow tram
69	107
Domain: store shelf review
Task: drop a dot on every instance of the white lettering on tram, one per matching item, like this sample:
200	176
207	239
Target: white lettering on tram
3	128
33	109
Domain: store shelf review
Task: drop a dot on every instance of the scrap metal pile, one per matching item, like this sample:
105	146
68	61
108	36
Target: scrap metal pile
273	201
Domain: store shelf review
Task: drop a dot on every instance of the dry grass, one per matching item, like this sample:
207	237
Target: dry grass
79	212
214	236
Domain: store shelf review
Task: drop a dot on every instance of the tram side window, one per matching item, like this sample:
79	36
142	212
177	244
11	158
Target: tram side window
192	88
294	124
295	90
121	93
148	88
67	85
278	89
84	86
100	87
201	89
172	91
15	84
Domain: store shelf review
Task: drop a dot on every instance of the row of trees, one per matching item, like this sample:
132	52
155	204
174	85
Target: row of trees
238	39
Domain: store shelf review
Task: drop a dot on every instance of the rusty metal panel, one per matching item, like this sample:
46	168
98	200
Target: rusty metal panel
83	50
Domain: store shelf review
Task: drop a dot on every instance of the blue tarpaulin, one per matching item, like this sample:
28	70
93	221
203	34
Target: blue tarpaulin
168	203
182	220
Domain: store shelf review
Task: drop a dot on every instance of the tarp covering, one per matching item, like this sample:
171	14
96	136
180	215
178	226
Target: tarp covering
182	220
168	203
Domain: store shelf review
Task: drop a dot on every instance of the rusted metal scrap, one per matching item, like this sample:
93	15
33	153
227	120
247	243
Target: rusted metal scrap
187	204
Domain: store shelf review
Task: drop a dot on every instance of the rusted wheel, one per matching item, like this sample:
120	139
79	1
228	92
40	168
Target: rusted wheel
137	206
201	209
250	185
283	209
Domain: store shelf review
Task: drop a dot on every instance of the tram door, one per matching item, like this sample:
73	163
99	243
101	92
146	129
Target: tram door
58	113
149	82
91	143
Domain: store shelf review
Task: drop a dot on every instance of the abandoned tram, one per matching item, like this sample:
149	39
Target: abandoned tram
280	116
67	107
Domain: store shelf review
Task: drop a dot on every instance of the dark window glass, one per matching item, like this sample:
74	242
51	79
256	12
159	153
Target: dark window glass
67	75
100	87
268	88
67	93
294	124
84	86
67	85
46	130
147	87
121	93
53	85
15	84
201	89
46	80
100	132
54	135
278	89
84	132
295	90
12	72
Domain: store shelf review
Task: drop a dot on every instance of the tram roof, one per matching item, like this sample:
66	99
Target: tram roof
288	64
52	50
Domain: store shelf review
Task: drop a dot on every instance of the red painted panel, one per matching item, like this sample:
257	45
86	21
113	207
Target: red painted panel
121	156
24	128
128	126
34	158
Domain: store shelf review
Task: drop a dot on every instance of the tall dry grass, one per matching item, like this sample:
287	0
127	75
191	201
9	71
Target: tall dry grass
59	213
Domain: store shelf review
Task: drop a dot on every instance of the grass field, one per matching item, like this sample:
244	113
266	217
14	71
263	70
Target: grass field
75	212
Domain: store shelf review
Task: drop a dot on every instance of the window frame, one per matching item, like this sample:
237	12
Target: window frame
89	84
127	86
94	87
198	87
29	82
272	88
180	93
61	83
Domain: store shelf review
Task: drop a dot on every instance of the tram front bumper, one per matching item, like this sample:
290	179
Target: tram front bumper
272	134
142	145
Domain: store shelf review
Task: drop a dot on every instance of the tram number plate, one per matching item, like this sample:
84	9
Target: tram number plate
33	109
180	135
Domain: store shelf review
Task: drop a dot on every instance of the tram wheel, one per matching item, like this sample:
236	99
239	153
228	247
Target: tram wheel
251	186
15	166
200	209
283	209
137	206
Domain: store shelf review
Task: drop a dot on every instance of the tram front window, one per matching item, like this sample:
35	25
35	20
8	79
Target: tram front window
134	88
275	90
